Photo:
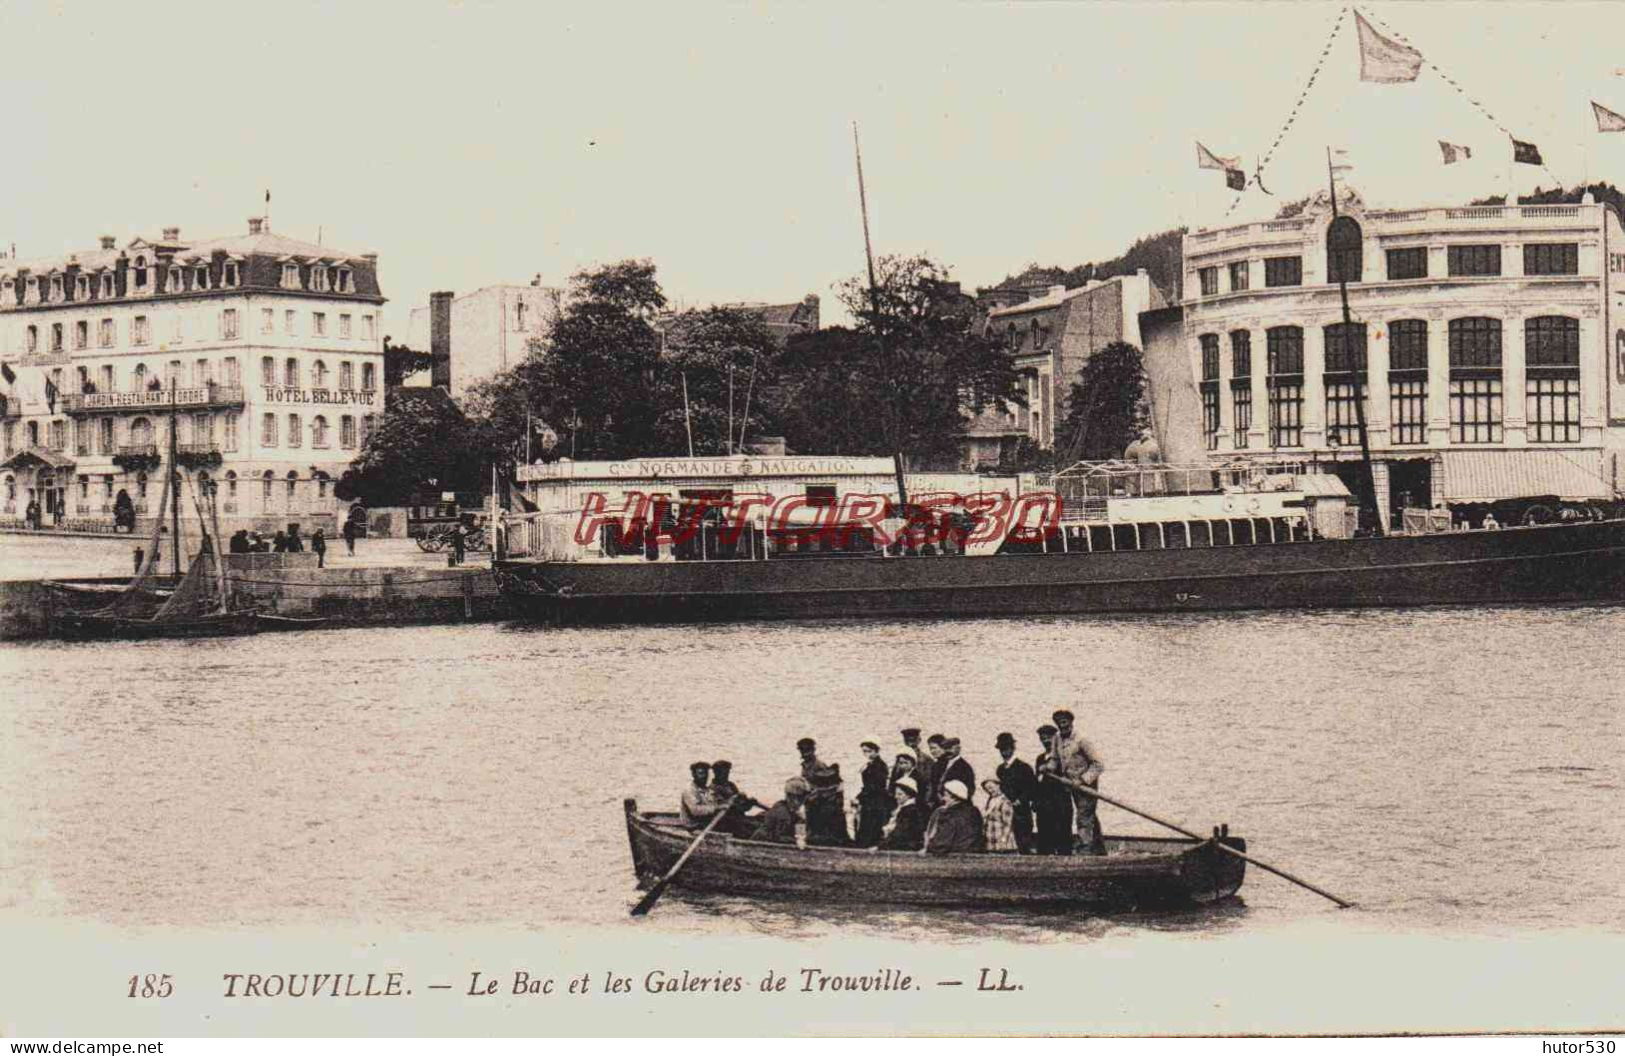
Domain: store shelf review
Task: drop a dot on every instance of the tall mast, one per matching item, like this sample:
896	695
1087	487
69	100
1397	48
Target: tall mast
874	307
174	492
1368	480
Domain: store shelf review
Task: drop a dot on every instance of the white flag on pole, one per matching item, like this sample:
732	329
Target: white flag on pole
1383	60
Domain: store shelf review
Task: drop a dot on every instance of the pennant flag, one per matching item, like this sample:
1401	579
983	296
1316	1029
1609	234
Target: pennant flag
50	395
1206	159
1454	152
1383	60
1235	179
1526	153
1607	120
7	373
267	196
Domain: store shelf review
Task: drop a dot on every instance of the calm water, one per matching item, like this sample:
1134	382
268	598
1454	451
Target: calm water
1450	770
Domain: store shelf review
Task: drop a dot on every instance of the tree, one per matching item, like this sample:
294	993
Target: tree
708	348
927	370
1106	408
1162	256
420	437
1602	192
400	362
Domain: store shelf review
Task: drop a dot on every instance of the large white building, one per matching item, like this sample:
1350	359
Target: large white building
1494	337
479	335
271	345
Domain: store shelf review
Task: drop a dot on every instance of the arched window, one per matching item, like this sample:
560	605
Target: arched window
1011	338
141	484
1552	378
174	374
1619	356
290	373
1475	380
318	431
140	432
11	488
231	483
1343	250
267	480
140	272
293	483
322	480
138	378
318	375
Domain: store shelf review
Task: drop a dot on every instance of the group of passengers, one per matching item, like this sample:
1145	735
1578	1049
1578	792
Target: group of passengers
923	802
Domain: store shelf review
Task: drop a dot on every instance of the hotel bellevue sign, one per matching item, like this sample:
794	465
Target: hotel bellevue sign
329	397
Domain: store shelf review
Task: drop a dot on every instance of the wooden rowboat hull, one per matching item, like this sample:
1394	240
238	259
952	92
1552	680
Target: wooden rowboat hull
95	626
1135	873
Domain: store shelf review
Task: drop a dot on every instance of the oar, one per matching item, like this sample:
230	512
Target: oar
649	900
1223	847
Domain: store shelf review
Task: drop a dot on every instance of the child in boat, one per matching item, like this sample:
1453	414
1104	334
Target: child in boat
998	819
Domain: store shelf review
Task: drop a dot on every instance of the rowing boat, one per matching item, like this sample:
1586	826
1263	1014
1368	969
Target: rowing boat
1136	872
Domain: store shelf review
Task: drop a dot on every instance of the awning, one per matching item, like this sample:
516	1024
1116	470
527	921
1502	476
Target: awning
1484	476
38	456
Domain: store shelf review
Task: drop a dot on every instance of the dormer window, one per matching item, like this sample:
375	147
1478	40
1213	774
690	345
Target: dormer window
290	277
81	287
8	290
56	289
346	281
318	278
200	277
31	291
230	277
141	275
106	285
175	284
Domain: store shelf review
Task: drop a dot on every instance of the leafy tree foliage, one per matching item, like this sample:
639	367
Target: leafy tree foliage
400	362
1602	192
1161	255
1106	409
420	437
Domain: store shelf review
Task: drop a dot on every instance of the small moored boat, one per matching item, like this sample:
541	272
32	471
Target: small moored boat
1137	872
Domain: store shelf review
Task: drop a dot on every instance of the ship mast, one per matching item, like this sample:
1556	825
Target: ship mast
1367	478
874	307
175	491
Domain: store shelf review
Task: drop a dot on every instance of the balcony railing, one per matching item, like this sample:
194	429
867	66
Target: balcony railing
1292	229
188	398
134	450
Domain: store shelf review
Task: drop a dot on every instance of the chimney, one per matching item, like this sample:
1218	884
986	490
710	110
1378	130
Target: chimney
537	281
108	241
370	258
172	234
1056	291
440	338
256	225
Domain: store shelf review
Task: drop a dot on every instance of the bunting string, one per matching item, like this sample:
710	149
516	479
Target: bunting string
1292	117
1451	81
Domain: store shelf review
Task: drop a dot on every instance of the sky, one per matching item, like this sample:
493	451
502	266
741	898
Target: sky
472	144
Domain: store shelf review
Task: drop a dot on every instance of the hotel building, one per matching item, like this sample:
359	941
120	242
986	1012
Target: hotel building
1493	337
270	346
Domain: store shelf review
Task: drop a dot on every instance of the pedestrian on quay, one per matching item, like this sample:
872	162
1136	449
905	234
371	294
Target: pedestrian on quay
239	542
349	532
318	546
31	514
279	543
459	545
296	545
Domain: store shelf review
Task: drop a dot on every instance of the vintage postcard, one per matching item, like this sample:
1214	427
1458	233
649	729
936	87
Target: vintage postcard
766	519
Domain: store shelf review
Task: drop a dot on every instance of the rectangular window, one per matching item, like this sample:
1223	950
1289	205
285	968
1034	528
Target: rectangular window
1284	352
1552	403
288	325
107	379
1210	414
56	337
296	431
81	437
367	328
290	277
267	371
1475	409
1241	408
1345	347
229	276
106	284
346	375
230	441
81	334
1551	258
1475	344
177	329
267	320
369	377
1408	345
1239	279
1210	356
228	324
1209	278
344	326
1474	260
1408	263
104	336
140	334
201	373
268	431
1408	381
347	432
1241	353
290	372
203	430
1283	271
318	279
229	372
105	429
1342	416
59	435
318	324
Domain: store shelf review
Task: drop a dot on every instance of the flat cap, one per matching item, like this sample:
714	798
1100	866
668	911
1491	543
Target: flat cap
805	743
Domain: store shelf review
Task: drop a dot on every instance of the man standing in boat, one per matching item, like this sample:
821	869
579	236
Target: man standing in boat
927	772
874	801
1052	801
1076	760
911	741
1020	786
698	805
951	766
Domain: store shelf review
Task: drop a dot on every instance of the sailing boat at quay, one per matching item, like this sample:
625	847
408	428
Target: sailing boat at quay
202	602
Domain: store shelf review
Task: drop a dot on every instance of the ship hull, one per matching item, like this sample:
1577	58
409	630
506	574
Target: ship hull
1582	562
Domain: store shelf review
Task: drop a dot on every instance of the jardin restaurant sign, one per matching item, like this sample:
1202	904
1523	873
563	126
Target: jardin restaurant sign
284	394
